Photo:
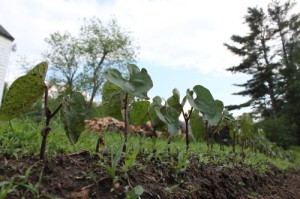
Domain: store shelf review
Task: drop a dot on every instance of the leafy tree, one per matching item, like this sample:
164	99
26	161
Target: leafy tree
81	61
288	33
103	46
64	56
258	62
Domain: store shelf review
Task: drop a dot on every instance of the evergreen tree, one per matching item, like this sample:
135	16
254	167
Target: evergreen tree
287	32
258	62
270	55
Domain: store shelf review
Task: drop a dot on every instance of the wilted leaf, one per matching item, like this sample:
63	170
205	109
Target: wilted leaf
24	92
73	114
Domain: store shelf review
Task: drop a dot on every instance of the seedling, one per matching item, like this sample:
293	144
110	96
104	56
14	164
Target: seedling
28	89
210	109
138	84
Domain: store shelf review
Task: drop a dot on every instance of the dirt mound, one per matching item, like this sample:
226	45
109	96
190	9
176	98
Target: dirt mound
81	176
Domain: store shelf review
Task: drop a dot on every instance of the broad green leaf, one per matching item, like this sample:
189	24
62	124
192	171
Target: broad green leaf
111	101
73	114
197	126
174	101
219	106
135	193
215	119
156	122
139	112
169	116
139	82
24	92
39	70
204	101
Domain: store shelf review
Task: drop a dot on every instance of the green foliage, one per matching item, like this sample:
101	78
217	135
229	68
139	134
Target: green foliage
204	102
278	130
197	126
139	112
155	120
112	169
111	101
138	84
273	70
167	115
135	193
96	111
98	47
246	125
174	101
24	92
73	115
63	54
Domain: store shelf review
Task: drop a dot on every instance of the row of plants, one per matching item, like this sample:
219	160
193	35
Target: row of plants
126	99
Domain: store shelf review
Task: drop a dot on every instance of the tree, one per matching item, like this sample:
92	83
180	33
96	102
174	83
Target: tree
81	61
263	57
103	46
64	57
257	61
287	32
270	56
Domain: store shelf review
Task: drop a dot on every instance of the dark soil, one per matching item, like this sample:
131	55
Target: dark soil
80	176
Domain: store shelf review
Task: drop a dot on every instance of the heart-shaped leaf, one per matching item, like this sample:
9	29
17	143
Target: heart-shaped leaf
174	101
204	102
169	116
24	92
111	101
197	125
138	84
73	114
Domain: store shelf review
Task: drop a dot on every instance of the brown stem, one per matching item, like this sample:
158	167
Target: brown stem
233	144
46	130
186	119
125	108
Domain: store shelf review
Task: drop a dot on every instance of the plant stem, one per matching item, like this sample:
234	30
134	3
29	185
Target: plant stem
233	144
186	119
46	130
125	107
11	127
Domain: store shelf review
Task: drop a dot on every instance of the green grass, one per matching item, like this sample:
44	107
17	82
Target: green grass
22	136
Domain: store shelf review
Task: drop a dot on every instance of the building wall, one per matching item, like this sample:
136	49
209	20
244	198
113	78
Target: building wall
5	50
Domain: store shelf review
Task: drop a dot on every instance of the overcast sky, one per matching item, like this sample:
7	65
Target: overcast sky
181	41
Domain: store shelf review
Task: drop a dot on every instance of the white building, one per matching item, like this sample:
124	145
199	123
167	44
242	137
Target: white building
6	41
